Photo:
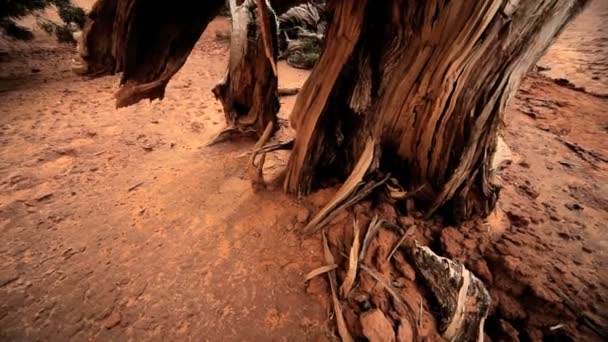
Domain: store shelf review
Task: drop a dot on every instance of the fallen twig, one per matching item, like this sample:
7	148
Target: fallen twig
353	262
135	186
329	259
320	270
256	173
350	186
358	196
371	232
398	244
585	319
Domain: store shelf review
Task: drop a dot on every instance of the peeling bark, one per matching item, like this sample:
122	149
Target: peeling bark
248	92
429	81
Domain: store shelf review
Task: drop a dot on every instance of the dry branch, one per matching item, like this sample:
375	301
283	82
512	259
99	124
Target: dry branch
353	262
342	329
320	270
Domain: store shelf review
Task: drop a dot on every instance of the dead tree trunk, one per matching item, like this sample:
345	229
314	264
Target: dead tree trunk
149	41
248	91
97	40
427	82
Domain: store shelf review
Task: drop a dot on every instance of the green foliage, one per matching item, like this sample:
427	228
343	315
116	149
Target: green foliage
303	53
72	18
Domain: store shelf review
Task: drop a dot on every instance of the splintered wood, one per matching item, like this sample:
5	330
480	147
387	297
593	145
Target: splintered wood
248	92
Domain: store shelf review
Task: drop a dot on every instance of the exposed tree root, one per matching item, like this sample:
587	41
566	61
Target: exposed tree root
353	189
256	170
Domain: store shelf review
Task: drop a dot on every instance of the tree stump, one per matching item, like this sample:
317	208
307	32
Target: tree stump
427	80
148	41
248	91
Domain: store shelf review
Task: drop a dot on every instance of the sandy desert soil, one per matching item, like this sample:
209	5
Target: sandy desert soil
120	225
580	55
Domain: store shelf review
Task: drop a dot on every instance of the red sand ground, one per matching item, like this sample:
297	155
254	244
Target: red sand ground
118	224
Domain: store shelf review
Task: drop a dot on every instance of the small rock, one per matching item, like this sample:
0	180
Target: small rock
567	163
41	196
543	127
451	241
518	219
376	327
124	281
112	320
197	126
303	215
574	206
524	164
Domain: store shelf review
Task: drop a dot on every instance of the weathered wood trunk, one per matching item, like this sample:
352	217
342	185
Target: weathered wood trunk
248	92
148	41
428	81
98	39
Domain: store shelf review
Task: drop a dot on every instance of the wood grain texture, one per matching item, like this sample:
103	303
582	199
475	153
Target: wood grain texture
429	80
